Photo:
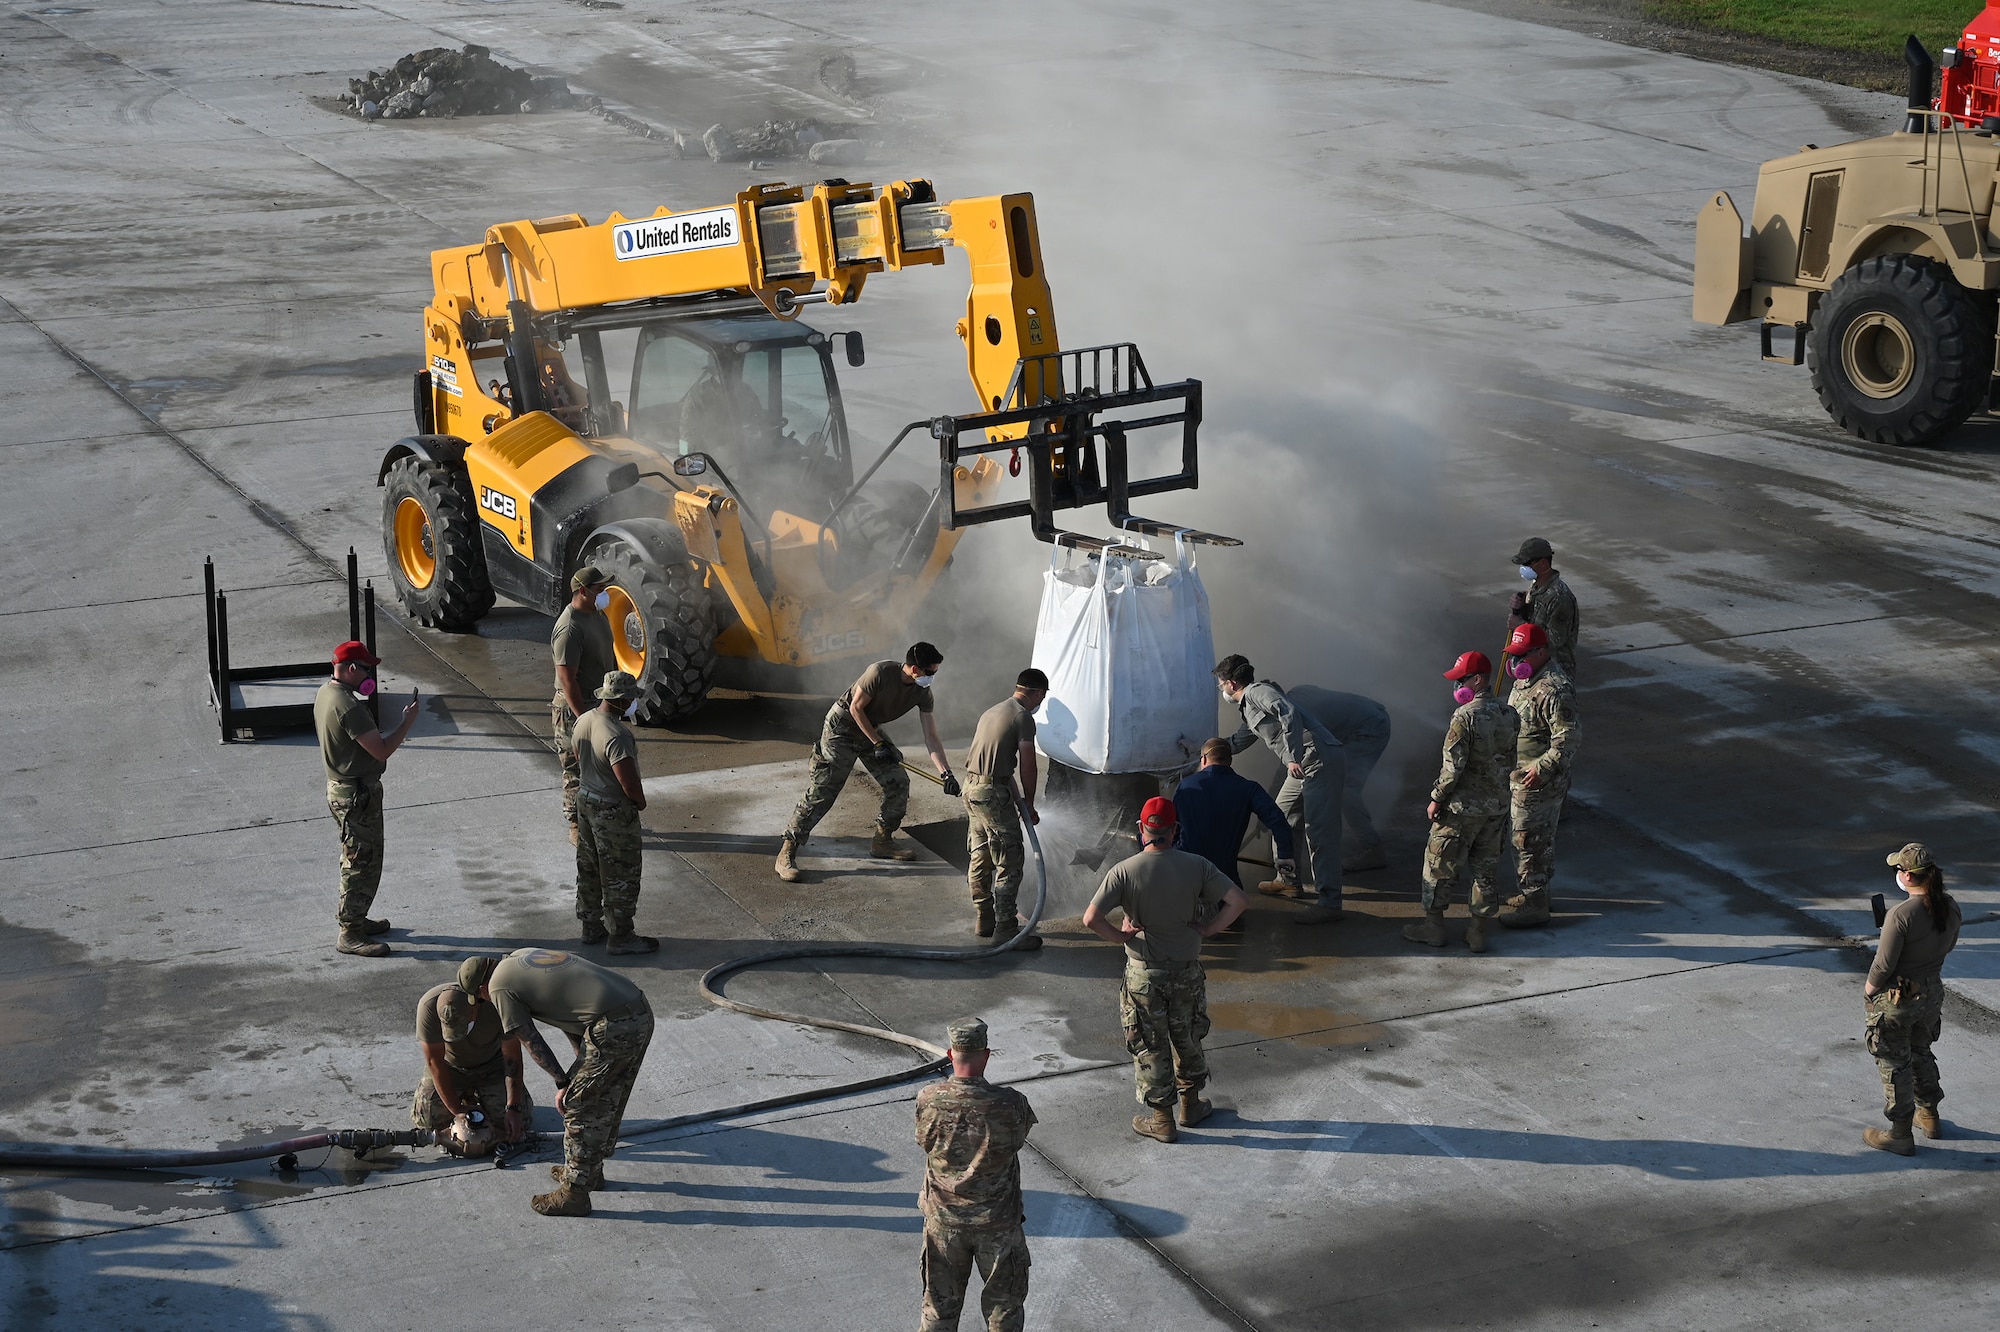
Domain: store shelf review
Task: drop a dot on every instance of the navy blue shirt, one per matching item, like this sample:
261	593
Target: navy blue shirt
1215	806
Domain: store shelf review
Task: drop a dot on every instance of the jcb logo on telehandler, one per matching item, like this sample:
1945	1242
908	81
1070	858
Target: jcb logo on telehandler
821	645
493	500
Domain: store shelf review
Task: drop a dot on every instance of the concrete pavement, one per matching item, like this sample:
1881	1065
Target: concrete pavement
1437	291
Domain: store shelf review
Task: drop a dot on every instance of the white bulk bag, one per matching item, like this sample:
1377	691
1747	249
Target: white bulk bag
1127	648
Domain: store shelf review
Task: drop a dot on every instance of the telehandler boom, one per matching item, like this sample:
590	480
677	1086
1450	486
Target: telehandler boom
723	530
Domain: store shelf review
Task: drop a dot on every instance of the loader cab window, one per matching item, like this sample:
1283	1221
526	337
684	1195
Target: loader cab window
790	385
669	367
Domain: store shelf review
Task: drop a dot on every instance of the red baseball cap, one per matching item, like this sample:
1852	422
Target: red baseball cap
355	650
1471	663
1159	812
1525	639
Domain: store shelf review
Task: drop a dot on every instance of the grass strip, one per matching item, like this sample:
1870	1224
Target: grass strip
1874	27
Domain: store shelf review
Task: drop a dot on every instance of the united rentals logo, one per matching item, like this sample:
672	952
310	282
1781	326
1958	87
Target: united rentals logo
709	229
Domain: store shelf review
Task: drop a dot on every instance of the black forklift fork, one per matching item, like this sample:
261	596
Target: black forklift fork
1073	458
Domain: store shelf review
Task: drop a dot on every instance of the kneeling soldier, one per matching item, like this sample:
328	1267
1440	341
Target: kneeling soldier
469	1068
609	1022
609	798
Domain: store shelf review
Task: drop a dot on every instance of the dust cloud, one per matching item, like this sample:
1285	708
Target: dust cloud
1173	214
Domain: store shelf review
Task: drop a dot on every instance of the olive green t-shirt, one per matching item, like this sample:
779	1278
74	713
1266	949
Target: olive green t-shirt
561	989
602	740
465	1045
1164	893
890	693
583	639
339	717
996	741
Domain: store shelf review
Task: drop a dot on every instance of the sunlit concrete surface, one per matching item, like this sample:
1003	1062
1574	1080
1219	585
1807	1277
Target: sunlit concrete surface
1433	270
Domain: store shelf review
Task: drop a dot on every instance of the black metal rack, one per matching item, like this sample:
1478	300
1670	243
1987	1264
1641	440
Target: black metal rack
247	721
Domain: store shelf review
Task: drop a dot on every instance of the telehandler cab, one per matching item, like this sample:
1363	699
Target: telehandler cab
720	493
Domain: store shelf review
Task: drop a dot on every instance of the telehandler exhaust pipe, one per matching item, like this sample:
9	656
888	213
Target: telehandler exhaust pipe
1921	69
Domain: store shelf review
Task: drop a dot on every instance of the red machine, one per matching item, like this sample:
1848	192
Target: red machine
1970	91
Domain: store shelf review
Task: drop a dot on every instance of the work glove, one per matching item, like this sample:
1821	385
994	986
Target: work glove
1288	870
951	786
883	753
1519	604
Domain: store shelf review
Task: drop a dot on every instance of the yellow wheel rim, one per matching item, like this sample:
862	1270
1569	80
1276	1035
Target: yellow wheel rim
628	632
416	551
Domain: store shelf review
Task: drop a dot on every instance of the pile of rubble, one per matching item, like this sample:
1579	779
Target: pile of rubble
834	145
441	82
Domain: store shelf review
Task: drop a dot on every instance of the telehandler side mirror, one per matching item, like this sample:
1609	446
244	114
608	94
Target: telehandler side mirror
856	353
694	464
623	477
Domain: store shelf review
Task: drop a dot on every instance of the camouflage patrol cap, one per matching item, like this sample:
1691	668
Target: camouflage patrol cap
617	684
588	576
968	1035
1534	548
475	972
1913	859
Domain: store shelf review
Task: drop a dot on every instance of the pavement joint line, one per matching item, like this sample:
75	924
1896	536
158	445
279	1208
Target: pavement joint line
1750	633
233	425
1133	1233
258	827
164	596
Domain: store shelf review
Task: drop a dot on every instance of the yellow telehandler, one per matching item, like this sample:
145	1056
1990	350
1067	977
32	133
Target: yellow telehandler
720	493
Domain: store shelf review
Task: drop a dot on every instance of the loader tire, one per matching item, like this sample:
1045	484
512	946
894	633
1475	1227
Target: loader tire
431	537
662	628
1900	353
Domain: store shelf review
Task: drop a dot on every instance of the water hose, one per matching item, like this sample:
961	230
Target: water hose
937	1059
119	1158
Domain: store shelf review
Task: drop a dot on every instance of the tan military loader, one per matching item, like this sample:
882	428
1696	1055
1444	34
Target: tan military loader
1873	263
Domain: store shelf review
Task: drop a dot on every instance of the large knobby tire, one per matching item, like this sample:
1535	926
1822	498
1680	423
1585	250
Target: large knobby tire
1900	353
432	540
663	629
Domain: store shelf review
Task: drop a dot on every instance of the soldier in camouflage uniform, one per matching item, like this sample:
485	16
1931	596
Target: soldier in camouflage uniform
582	646
608	851
469	1069
1548	603
972	1133
1546	752
1468	807
1172	900
356	753
852	734
609	1022
1003	744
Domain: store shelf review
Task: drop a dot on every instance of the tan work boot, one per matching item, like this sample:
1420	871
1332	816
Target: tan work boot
1194	1109
982	924
1475	934
594	932
1029	942
353	940
788	861
1277	888
1895	1139
1526	910
1927	1123
373	926
1429	930
1157	1125
882	848
632	943
565	1200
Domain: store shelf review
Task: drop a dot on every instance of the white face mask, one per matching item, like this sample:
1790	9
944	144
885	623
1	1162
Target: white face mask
925	681
1527	573
603	601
